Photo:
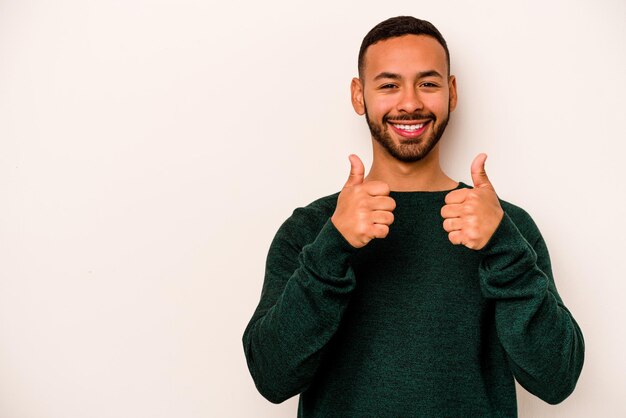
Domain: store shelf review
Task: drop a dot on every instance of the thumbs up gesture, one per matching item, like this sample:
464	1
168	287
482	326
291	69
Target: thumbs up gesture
471	216
364	209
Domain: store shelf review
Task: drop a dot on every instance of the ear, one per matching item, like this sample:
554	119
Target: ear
452	92
356	89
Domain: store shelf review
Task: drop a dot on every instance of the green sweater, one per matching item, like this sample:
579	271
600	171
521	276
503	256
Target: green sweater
410	325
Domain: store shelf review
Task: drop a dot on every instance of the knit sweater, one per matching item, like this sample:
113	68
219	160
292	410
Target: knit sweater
410	325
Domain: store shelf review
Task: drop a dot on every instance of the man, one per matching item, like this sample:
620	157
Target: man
408	293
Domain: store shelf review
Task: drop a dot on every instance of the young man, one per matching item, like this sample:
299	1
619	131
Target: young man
408	293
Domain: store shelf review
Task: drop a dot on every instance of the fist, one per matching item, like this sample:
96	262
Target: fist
471	216
364	209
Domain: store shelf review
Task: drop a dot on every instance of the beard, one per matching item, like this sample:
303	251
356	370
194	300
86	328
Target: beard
409	150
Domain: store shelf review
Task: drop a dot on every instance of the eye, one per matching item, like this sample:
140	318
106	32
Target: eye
388	86
429	85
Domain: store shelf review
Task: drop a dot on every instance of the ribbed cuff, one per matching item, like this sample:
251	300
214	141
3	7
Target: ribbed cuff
505	238
329	255
508	267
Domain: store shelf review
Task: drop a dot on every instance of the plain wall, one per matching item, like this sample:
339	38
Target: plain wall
149	150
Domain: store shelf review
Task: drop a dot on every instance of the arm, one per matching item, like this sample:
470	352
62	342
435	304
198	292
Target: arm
544	343
305	293
308	283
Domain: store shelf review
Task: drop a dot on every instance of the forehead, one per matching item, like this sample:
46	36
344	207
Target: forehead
405	54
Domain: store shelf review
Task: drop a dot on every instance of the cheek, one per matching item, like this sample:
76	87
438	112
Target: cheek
378	106
438	105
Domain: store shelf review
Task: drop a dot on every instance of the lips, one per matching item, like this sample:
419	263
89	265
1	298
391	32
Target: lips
409	129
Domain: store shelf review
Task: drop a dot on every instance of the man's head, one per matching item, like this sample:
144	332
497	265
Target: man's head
399	26
404	88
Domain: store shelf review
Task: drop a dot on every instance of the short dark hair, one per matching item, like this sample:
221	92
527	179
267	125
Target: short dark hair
399	26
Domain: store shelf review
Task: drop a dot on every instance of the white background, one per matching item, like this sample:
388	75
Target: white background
149	150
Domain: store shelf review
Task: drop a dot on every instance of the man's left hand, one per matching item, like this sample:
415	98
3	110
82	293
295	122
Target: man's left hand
471	216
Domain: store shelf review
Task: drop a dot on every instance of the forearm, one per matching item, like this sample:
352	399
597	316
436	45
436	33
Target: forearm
285	340
543	341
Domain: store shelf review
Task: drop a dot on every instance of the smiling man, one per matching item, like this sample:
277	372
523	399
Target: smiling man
409	293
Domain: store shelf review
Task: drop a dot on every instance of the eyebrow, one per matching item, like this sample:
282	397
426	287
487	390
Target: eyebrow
394	76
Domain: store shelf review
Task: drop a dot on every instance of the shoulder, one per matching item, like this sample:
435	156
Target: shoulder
522	220
315	212
324	206
305	222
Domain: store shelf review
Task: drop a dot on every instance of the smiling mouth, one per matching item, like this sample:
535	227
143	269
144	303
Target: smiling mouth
410	129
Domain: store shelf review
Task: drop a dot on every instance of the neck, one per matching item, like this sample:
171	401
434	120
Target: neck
423	175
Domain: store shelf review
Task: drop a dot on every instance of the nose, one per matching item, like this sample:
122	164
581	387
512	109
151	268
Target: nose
410	100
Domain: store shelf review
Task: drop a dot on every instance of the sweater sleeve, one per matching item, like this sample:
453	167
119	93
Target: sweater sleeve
305	293
543	342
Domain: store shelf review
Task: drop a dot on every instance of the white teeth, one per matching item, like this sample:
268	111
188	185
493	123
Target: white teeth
409	127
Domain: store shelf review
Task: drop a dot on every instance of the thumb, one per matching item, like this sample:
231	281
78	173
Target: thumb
479	175
357	170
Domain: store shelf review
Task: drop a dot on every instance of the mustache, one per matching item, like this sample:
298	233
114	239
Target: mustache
411	116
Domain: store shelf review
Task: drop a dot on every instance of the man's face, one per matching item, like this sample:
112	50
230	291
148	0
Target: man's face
405	95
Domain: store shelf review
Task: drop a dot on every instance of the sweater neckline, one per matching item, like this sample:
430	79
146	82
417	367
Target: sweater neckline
426	194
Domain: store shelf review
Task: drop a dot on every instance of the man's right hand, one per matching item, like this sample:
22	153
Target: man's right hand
364	210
